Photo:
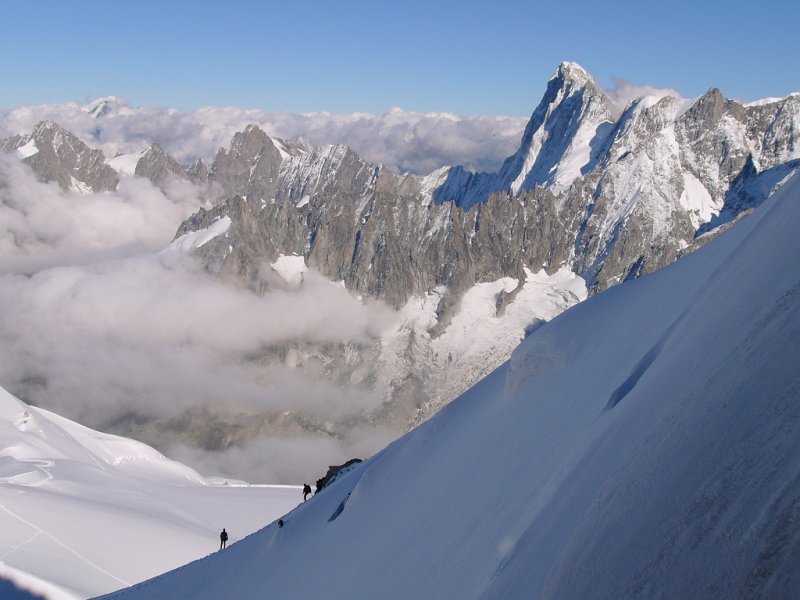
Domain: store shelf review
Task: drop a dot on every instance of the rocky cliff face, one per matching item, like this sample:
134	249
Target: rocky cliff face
157	165
596	194
55	154
609	193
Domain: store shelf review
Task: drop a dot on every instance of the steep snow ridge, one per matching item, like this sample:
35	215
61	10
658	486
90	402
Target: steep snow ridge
647	435
197	239
573	118
28	149
126	163
532	151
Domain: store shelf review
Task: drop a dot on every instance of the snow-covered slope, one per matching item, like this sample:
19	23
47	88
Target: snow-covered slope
642	444
83	513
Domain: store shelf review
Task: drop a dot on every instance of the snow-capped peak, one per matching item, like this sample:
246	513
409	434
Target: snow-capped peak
104	106
45	126
556	144
572	71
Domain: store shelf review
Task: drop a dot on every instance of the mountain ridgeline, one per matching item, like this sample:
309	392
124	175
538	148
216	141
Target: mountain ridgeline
609	195
604	192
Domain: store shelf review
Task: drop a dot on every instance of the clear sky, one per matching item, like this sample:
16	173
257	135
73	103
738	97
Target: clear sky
467	57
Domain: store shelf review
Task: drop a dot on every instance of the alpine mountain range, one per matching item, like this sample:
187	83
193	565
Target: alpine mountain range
596	194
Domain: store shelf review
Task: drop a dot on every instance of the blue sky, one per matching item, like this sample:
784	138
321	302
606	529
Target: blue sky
468	57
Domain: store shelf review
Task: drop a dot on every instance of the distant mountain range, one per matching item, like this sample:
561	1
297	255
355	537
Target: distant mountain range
595	195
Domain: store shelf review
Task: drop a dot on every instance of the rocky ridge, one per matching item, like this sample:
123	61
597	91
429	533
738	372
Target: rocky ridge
55	154
596	194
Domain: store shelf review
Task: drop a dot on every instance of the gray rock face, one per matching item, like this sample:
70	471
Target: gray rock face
250	167
156	165
607	193
612	197
55	154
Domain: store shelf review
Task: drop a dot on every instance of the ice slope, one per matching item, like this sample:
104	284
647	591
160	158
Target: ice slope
643	444
83	513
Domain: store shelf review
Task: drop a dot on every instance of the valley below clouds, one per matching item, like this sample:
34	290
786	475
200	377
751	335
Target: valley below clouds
104	324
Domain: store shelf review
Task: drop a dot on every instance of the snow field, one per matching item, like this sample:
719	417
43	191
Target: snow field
83	513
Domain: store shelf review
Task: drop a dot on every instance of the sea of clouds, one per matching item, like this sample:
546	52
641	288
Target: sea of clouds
404	141
102	320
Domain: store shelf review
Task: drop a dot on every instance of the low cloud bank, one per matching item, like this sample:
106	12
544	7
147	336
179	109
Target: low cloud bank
290	459
104	327
43	225
624	92
404	141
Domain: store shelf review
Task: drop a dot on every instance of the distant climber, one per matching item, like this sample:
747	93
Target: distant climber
306	491
223	539
280	523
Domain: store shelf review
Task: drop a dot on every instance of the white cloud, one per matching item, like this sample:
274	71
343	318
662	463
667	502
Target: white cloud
624	92
154	337
44	225
100	326
404	141
103	328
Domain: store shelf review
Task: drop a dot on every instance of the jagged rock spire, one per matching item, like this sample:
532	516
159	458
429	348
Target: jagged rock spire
556	145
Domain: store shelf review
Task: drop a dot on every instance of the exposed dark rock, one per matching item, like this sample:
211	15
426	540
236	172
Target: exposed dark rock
335	471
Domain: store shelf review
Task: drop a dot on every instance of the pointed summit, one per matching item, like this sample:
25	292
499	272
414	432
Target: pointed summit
103	107
56	154
157	165
47	127
556	146
251	151
559	144
573	72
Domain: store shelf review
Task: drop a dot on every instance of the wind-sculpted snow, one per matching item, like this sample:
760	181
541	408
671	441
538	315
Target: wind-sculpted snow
533	485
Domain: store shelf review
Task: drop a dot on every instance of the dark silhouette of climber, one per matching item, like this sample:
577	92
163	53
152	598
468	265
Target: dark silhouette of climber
306	491
223	539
